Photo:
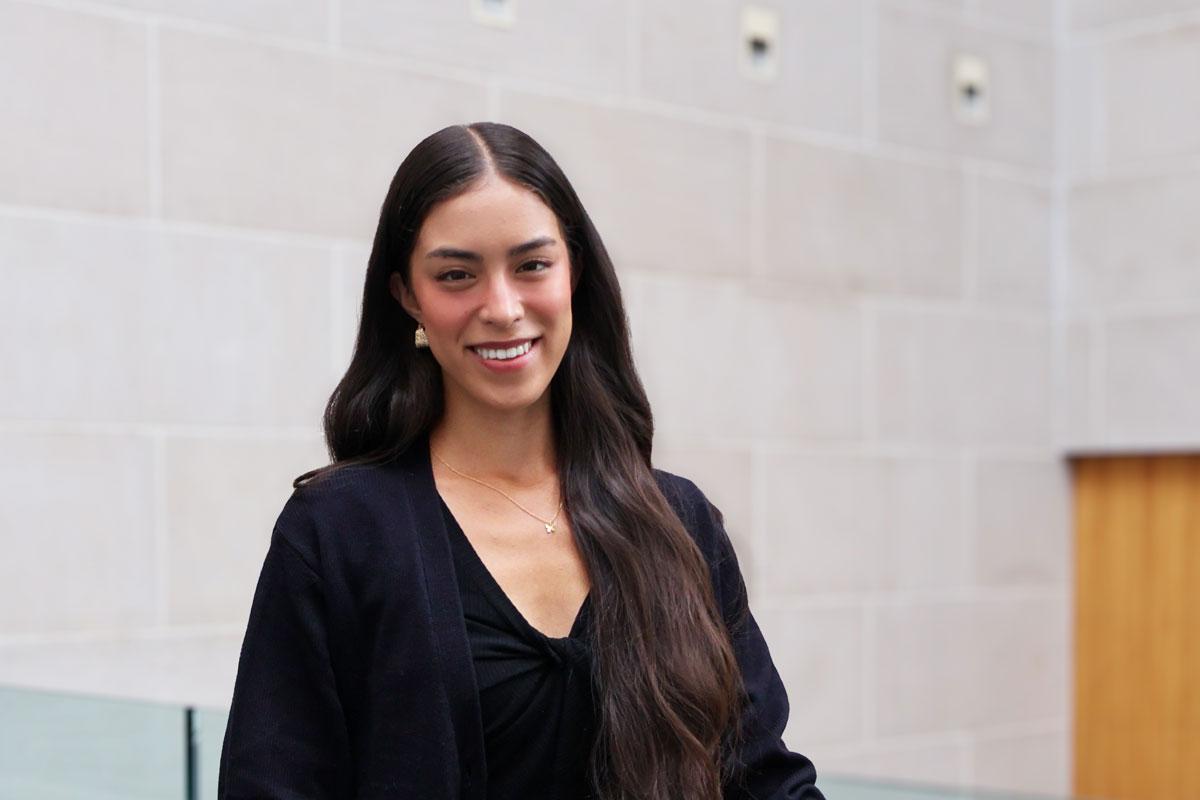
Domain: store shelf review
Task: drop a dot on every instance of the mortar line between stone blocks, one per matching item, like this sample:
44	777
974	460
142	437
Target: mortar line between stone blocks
1028	176
970	240
193	228
869	655
895	743
912	598
758	201
318	46
864	449
910	154
966	759
1016	730
949	737
1060	20
1098	151
1060	362
1154	25
333	20
1165	167
968	516
92	9
954	307
154	149
758	519
868	407
870	70
1059	184
974	19
633	33
162	554
1060	290
109	635
168	430
1155	308
187	24
337	312
1014	31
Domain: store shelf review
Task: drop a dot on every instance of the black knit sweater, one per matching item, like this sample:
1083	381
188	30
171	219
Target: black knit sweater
356	678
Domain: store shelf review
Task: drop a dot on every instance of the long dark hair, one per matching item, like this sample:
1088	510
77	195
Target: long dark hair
669	687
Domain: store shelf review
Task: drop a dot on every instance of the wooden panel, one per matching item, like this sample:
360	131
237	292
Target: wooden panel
1137	627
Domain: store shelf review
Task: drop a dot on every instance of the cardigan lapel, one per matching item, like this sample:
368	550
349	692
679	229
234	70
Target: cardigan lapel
446	614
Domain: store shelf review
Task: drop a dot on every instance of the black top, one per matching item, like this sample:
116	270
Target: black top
535	691
356	680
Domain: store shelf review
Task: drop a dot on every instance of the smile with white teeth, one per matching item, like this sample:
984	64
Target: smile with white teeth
503	355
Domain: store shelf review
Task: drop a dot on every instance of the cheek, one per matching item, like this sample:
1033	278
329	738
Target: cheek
445	316
557	303
555	314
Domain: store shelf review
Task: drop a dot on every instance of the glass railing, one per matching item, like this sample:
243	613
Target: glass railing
59	746
56	746
849	788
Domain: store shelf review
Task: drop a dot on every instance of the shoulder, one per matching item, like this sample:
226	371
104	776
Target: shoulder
350	502
683	493
706	525
697	513
348	486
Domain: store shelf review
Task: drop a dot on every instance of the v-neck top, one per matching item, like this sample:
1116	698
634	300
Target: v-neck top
535	691
356	678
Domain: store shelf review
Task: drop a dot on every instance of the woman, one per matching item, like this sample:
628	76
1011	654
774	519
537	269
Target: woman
491	593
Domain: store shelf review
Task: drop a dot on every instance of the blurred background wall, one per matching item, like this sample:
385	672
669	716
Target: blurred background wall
1131	149
869	331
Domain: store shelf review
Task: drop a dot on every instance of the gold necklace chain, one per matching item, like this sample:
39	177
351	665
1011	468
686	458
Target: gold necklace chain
548	524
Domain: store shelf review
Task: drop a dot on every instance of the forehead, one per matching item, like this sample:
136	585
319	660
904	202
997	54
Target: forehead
491	216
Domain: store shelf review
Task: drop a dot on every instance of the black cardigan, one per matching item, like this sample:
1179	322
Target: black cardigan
355	678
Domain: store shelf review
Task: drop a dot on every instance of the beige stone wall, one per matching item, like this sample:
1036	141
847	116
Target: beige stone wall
868	332
1131	174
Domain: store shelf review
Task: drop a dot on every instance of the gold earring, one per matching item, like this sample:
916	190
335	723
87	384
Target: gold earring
419	338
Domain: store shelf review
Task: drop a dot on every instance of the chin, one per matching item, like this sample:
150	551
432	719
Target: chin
514	401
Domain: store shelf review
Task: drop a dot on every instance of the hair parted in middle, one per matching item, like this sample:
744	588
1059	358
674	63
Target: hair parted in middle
669	691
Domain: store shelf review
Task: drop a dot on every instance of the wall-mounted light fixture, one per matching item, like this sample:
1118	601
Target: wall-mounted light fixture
760	43
971	98
494	13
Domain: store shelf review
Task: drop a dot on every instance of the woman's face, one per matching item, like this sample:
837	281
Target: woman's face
491	272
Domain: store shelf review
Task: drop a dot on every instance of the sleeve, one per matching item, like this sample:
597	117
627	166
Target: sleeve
286	736
764	769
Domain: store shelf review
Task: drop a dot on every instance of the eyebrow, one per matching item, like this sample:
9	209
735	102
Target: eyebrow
467	255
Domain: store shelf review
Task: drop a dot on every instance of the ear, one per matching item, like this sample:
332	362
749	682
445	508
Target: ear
403	296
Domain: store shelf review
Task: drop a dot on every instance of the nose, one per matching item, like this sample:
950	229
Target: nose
502	303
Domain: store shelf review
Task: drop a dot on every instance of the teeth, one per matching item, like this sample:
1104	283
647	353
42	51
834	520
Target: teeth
503	355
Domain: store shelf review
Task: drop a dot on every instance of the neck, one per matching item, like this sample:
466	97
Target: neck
512	447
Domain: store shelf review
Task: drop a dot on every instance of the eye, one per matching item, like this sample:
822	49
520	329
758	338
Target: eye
545	265
448	275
